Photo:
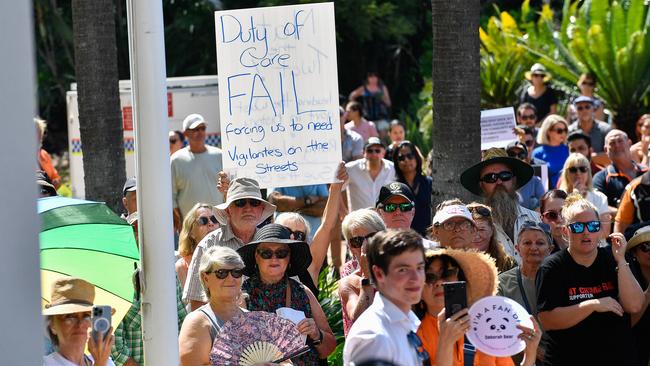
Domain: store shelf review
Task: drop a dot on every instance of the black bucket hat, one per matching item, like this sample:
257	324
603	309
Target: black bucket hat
470	178
276	233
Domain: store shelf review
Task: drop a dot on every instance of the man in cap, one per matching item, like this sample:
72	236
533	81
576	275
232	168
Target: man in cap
497	178
396	206
453	225
530	193
194	170
239	217
368	175
588	124
623	169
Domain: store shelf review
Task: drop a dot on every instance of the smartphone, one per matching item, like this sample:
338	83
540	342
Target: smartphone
101	321
455	297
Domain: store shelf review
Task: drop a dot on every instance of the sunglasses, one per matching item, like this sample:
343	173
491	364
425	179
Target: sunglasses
357	241
537	226
251	201
519	155
483	211
575	169
559	130
173	140
416	343
392	207
528	116
579	227
373	151
409	156
551	215
448	273
223	273
538	75
493	177
451	226
583	107
268	253
203	220
645	247
298	235
529	142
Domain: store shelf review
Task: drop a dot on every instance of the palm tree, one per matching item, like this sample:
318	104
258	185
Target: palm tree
456	139
100	122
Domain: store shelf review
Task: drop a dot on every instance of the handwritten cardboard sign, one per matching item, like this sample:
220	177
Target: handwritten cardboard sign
497	127
278	94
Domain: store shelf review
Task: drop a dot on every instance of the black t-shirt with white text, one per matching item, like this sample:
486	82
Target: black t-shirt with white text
601	338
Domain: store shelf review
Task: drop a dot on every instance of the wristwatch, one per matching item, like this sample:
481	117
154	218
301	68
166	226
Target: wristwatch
308	201
365	282
319	340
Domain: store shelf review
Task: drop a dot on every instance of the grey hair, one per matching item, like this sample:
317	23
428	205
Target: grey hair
293	216
215	258
365	218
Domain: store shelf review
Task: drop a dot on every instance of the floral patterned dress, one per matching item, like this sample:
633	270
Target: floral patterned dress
270	297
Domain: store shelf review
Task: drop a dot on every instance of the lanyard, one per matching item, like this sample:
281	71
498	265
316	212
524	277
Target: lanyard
523	291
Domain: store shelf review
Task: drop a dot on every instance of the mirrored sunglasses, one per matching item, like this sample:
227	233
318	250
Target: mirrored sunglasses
392	207
268	253
504	176
223	273
298	235
357	241
203	220
251	201
579	227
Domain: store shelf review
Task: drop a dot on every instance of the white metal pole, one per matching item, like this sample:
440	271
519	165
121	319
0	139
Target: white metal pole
149	88
21	339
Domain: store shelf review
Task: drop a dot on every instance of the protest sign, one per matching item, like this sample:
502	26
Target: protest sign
497	127
278	94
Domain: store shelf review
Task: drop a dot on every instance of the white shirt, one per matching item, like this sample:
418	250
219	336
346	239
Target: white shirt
599	200
55	359
380	333
361	189
523	215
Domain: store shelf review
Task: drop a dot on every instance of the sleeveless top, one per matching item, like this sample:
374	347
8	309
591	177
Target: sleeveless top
216	324
270	297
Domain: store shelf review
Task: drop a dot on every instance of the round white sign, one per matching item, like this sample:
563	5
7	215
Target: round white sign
493	327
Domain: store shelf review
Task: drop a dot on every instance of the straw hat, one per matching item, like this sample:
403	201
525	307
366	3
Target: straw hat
470	178
640	236
276	233
70	295
243	188
479	269
537	69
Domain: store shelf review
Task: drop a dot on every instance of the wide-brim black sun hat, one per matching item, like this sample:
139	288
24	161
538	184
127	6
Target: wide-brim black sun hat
470	178
300	258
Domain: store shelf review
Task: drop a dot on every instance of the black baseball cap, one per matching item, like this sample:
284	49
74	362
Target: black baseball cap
395	189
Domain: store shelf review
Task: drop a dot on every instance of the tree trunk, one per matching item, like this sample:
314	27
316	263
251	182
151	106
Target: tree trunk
456	135
100	120
626	120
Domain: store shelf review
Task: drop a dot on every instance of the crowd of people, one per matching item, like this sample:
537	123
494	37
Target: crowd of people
547	243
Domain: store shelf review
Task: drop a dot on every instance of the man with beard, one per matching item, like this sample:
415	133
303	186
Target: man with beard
497	178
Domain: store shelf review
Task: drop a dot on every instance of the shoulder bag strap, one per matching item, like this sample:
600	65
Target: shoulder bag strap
522	290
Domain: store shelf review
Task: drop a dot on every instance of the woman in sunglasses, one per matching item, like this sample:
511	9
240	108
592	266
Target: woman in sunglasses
221	270
551	209
270	259
639	248
576	177
200	221
586	293
408	170
443	338
553	147
485	239
355	290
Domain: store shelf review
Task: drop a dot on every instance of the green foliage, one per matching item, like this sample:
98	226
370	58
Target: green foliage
419	131
503	61
328	298
609	40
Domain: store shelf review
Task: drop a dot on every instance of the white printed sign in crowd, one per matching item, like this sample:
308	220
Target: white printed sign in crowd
497	127
279	94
